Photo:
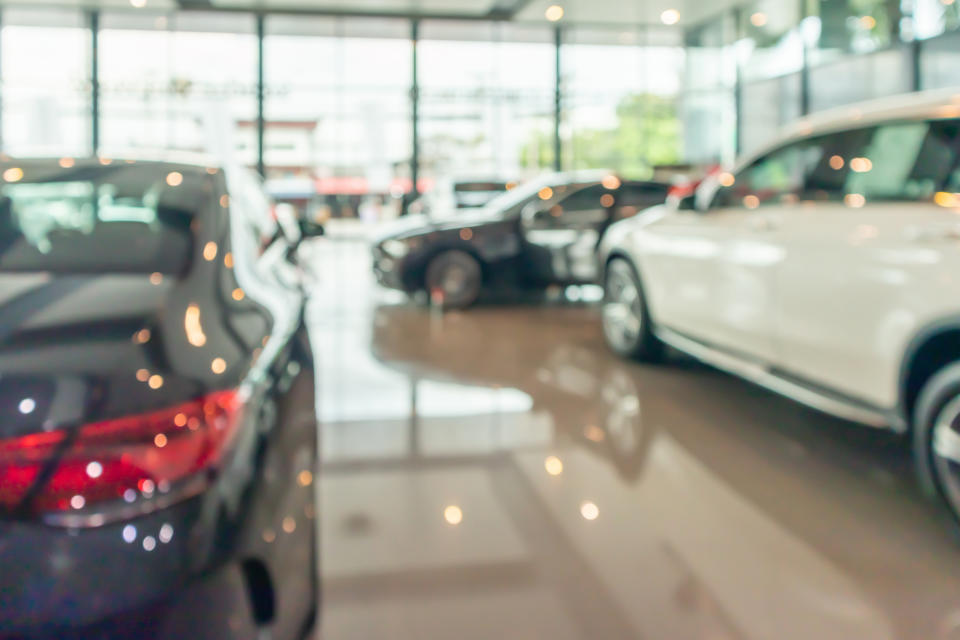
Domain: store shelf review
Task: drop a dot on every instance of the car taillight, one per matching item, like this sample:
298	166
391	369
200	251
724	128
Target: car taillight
120	467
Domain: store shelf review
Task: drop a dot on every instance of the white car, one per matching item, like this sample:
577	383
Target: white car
825	268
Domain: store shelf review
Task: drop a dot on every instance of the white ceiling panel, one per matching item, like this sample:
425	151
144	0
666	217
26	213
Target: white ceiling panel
457	7
621	12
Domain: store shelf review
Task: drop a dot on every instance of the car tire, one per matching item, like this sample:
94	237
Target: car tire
627	327
936	437
454	279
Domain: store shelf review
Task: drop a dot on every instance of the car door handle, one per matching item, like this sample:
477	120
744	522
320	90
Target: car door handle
763	223
934	233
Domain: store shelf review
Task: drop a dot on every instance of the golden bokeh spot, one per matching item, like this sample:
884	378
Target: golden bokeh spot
553	13
66	163
218	366
453	514
727	179
949	111
160	440
210	251
594	433
238	294
224	201
751	201
545	194
174	178
305	478
156	277
854	200
946	199
606	200
155	381
193	327
553	465
228	260
589	510
143	375
466	234
611	182
837	162
13	174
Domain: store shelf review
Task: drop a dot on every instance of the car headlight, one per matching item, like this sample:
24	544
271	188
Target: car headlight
395	248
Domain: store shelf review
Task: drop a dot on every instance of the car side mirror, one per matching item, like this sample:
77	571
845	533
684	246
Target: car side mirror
311	229
687	203
706	194
536	217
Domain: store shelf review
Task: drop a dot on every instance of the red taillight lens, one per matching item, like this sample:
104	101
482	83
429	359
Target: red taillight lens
136	460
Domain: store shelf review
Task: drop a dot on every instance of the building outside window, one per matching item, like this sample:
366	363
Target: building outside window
46	82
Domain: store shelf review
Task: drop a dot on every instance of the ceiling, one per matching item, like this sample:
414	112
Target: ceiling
635	12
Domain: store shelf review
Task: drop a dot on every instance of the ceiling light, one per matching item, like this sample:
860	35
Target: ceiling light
670	16
553	13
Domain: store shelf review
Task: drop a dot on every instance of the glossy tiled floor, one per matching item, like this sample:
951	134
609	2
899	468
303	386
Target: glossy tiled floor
497	474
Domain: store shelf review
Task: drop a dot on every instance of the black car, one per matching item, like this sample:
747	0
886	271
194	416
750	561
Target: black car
541	233
158	438
460	194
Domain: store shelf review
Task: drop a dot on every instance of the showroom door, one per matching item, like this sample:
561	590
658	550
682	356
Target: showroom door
561	235
860	255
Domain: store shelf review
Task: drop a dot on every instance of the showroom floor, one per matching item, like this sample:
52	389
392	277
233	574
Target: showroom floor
496	473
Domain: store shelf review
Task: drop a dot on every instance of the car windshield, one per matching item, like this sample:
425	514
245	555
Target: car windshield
510	201
120	218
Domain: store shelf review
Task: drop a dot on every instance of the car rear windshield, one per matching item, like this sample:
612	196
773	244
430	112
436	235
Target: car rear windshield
116	218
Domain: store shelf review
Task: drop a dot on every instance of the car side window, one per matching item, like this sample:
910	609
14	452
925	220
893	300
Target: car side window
584	208
634	198
904	161
776	178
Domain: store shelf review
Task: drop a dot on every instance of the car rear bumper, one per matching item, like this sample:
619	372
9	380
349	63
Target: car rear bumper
164	579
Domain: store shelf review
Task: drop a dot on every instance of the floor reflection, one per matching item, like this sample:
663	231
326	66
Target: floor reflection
496	473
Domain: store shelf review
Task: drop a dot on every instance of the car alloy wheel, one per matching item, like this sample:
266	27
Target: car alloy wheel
945	451
622	310
456	276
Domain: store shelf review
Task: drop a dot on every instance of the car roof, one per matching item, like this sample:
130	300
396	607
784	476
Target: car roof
164	158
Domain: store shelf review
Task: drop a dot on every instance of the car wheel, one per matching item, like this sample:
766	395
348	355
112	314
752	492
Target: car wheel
626	319
456	278
936	437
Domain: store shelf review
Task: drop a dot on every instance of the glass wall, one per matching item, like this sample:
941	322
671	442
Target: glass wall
933	17
708	92
46	82
836	28
856	78
156	96
940	62
339	92
620	97
338	131
486	100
